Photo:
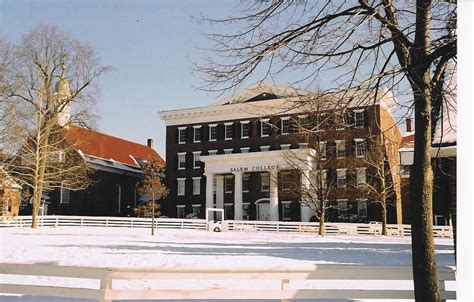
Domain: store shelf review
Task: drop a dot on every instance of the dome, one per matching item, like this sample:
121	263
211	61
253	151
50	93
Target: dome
62	87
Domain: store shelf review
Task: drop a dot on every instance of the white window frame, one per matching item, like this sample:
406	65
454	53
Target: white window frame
211	127
266	122
323	150
357	141
228	151
364	203
196	159
262	185
242	123
359	111
285	146
283	204
340	178
225	130
180	154
212	152
245	150
303	145
196	185
264	148
197	206
286	118
181	186
179	135
228	179
363	179
64	192
245	176
179	207
197	128
342	143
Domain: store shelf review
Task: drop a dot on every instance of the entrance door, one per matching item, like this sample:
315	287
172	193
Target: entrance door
263	209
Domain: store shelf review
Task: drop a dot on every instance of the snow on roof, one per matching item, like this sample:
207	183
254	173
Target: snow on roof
107	150
446	126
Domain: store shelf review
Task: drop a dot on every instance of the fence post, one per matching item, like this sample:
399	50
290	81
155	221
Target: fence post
131	223
82	221
56	224
182	224
284	286
106	222
105	285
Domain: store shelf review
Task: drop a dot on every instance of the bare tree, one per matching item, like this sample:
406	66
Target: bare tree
153	185
49	84
368	44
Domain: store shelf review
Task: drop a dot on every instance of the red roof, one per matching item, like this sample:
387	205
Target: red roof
407	140
108	147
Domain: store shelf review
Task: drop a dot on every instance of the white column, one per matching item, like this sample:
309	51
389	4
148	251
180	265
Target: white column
209	189
305	184
238	195
220	191
274	216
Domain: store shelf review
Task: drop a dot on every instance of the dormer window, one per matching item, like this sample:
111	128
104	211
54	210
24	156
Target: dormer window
181	135
285	125
245	129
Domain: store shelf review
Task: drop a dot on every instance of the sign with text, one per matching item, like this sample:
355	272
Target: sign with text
254	168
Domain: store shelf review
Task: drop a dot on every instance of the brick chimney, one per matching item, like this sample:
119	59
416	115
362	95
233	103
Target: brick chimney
149	142
409	125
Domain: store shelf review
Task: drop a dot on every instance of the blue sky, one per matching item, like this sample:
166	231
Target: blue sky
151	45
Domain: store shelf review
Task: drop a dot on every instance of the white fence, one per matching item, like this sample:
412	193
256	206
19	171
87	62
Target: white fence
231	225
285	284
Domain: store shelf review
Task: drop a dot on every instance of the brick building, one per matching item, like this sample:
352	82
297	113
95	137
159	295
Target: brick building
234	154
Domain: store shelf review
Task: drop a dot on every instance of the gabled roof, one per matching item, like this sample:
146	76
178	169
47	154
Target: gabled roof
108	149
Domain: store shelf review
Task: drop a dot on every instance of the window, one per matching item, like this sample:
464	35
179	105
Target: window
6	205
228	130
56	157
361	177
196	185
322	150
341	178
228	151
362	208
340	148
285	181
245	129
213	132
118	197
245	211
64	193
265	127
229	211
197	210
245	150
303	145
339	121
359	118
180	211
182	135
265	182
212	152
214	185
182	161
286	210
285	147
264	148
360	147
197	134
285	125
197	159
342	208
228	183
245	182
181	186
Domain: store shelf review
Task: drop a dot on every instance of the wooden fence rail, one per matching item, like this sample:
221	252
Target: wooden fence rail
284	284
349	229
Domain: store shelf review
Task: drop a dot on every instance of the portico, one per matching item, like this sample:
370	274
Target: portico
238	164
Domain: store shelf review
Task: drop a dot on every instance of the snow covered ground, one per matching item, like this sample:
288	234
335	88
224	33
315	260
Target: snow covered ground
117	247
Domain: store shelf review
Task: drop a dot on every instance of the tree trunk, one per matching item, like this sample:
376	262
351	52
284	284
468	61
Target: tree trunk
322	227
421	181
153	215
383	208
35	207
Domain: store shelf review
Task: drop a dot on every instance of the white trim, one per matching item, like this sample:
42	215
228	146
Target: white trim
212	151
287	146
197	126
359	139
196	205
227	150
212	126
181	128
225	131
179	135
264	147
178	181
194	159
244	122
245	148
194	133
285	118
180	205
242	129
303	116
262	122
179	166
198	192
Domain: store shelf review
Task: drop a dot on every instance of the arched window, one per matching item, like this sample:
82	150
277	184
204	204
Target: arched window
118	197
